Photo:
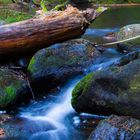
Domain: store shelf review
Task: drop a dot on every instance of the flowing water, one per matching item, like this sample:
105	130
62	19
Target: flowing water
53	118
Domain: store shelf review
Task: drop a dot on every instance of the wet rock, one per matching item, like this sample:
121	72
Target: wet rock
127	58
117	128
123	48
23	62
129	33
114	90
4	118
54	65
87	122
2	133
23	129
110	37
12	87
128	38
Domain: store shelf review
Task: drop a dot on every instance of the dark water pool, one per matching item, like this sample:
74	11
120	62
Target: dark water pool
110	21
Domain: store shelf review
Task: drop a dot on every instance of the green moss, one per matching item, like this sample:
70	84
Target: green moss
40	62
31	66
135	84
10	91
101	9
47	5
43	6
81	87
10	16
8	95
10	86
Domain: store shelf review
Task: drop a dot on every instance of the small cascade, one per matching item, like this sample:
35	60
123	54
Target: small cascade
55	113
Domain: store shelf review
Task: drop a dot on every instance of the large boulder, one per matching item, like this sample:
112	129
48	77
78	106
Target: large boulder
54	65
130	34
114	90
12	86
117	128
127	38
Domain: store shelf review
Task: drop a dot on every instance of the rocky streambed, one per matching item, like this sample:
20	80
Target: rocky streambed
44	96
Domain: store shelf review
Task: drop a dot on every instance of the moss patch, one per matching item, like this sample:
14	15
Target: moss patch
7	95
10	86
31	66
81	87
10	92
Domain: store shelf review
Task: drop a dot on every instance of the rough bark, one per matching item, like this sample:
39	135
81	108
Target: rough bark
44	30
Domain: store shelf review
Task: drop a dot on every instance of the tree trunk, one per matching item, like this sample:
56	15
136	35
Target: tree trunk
43	30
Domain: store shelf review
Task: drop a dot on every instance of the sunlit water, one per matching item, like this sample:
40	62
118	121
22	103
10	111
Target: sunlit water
55	111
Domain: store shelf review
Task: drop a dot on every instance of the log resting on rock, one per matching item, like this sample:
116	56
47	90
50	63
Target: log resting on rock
44	30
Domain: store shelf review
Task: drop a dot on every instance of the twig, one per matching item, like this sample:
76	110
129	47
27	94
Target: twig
29	85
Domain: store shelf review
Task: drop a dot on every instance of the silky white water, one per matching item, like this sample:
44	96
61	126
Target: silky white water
55	115
55	110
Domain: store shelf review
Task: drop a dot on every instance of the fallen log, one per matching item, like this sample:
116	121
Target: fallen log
44	30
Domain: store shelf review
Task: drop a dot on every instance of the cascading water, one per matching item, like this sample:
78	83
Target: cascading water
52	118
55	115
54	111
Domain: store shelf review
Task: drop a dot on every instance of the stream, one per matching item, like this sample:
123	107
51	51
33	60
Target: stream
53	118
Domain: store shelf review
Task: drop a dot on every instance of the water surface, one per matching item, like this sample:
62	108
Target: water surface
111	21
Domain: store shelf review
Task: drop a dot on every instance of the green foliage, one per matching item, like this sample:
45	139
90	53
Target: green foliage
52	4
10	16
43	6
5	1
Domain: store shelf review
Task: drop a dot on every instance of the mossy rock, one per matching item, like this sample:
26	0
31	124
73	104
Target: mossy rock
114	90
81	87
117	128
61	61
129	35
11	86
